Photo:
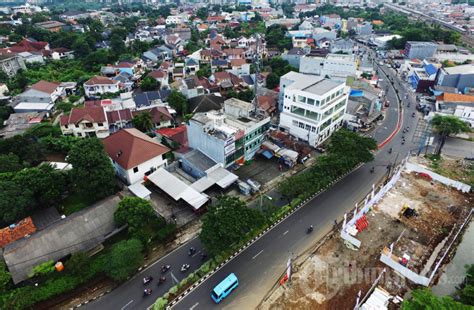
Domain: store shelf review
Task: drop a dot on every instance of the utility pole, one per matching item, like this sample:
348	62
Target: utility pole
256	62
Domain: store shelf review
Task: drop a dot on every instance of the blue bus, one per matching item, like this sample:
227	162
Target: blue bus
224	288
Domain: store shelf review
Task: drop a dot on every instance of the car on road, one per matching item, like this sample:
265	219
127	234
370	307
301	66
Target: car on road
224	288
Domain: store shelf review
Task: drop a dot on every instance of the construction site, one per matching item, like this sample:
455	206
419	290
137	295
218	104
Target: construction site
398	239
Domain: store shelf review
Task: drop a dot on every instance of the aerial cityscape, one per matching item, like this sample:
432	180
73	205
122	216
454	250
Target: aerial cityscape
236	154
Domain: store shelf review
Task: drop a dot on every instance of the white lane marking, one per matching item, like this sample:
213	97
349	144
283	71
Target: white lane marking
196	253
173	277
257	254
127	304
285	232
194	306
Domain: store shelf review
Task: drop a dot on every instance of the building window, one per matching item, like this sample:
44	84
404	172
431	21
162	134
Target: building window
77	126
100	124
302	99
301	125
297	110
65	126
135	170
295	123
310	101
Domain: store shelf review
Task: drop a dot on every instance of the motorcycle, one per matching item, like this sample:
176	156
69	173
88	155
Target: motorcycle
147	280
147	292
310	229
185	267
165	268
191	251
390	151
161	280
203	256
372	170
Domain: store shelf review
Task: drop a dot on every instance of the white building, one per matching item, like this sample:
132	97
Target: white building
134	155
335	66
99	85
313	107
174	20
85	122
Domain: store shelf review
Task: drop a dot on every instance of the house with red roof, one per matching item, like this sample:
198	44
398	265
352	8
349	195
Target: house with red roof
99	85
160	116
177	138
160	76
28	45
89	121
134	155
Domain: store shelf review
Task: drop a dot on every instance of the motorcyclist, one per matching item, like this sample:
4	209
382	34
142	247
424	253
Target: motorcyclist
372	169
390	151
147	279
165	268
147	292
310	228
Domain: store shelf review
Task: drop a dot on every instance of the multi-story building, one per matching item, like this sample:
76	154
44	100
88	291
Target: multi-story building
85	122
232	135
461	106
420	50
10	63
99	85
313	108
335	66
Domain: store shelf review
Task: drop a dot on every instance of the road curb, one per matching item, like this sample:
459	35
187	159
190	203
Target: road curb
260	235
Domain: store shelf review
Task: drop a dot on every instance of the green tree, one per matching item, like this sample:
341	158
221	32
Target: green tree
148	84
424	299
9	163
78	264
204	71
143	121
46	183
466	293
273	81
445	126
142	220
202	13
124	259
117	45
92	170
178	102
15	201
5	277
352	146
30	152
81	48
227	222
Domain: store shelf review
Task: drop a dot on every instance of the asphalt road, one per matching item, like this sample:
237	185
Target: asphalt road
130	294
261	265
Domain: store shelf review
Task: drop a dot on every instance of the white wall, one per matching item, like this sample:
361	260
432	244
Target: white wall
134	177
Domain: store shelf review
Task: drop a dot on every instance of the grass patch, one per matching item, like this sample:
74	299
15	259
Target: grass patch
74	203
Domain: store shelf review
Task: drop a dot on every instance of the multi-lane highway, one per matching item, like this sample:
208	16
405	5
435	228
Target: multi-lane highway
260	265
263	262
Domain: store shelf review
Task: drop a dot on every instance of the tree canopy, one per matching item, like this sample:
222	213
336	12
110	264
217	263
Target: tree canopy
143	222
424	299
446	125
178	102
143	121
124	259
226	222
92	173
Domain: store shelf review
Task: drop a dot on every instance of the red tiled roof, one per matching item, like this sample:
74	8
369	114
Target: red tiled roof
237	62
26	45
100	80
178	134
158	114
233	51
157	74
45	87
450	97
124	64
221	76
91	114
119	115
21	229
131	147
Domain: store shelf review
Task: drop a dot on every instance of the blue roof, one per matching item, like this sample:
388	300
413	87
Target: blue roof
267	154
248	79
430	69
356	93
219	62
225	284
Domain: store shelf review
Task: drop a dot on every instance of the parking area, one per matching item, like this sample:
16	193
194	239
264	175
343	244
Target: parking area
261	170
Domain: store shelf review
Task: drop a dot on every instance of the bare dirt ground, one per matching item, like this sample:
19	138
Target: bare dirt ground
332	277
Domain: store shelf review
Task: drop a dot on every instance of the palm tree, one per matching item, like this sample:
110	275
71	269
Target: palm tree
143	121
445	126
